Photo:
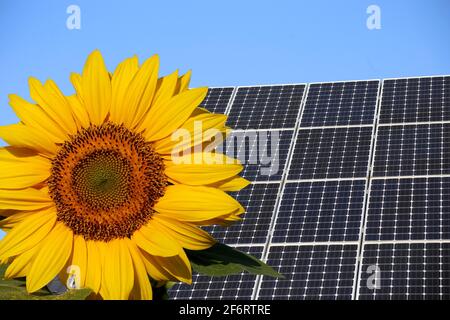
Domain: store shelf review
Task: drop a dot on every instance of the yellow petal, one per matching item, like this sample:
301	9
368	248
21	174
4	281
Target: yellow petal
118	273
195	204
165	88
176	268
143	288
27	233
195	131
34	116
183	82
21	265
77	263
14	219
80	113
19	135
161	121
120	81
96	88
156	241
202	168
54	103
51	258
233	184
188	236
140	92
94	266
156	271
21	172
24	199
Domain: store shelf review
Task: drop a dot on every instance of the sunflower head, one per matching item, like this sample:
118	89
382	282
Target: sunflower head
90	188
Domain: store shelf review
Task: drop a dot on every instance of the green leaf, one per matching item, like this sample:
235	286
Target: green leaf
222	260
15	289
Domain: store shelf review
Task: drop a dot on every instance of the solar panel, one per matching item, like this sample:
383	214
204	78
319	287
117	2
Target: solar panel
405	150
259	201
331	153
240	286
217	99
405	271
263	153
312	272
415	100
409	209
362	183
266	107
320	211
340	103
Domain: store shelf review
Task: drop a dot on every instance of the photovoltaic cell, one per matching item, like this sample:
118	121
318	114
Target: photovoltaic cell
331	153
266	107
412	150
415	100
340	103
311	272
409	209
259	201
263	153
406	271
320	211
233	287
217	99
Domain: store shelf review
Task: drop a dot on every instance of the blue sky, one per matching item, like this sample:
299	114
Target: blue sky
225	42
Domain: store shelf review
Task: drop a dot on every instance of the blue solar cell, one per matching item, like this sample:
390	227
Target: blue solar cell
409	209
311	272
331	153
320	211
406	150
340	103
415	100
403	271
266	107
217	99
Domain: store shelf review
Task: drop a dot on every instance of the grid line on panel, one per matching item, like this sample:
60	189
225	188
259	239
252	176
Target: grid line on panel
282	186
340	103
266	107
407	271
233	287
369	176
311	272
416	100
412	123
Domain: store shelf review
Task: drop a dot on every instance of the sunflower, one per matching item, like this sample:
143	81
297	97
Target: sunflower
88	181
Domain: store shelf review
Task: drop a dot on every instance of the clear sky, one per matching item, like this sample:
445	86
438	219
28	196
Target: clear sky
225	42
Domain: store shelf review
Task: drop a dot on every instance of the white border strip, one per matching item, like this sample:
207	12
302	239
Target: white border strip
284	176
363	226
429	176
418	77
231	101
413	123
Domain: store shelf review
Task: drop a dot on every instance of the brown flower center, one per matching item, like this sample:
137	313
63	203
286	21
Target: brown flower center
104	182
